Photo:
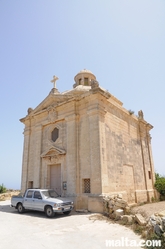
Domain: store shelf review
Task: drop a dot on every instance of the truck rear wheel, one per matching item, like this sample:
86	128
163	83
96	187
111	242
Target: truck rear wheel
49	212
20	208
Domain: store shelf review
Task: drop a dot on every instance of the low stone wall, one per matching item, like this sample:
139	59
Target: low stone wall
8	195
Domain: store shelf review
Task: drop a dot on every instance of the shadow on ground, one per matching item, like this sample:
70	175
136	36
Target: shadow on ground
12	210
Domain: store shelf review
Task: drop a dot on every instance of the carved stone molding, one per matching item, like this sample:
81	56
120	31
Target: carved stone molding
94	84
53	151
55	159
52	114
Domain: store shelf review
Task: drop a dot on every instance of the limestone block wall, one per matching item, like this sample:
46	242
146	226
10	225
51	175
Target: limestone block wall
127	156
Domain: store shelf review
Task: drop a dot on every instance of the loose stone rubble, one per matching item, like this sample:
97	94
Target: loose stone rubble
156	224
118	209
140	220
115	206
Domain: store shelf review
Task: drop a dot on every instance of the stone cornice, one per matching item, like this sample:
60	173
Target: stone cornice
47	122
62	99
106	94
45	105
144	125
112	104
120	112
96	109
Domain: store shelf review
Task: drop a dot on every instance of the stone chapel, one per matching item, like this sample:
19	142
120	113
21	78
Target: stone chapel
84	144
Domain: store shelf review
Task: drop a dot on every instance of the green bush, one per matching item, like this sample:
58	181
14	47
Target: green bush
2	189
155	237
160	184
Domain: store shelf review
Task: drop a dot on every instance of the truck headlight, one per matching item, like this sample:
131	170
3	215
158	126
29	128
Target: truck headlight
56	205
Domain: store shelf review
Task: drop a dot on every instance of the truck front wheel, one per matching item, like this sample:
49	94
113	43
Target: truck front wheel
49	212
20	208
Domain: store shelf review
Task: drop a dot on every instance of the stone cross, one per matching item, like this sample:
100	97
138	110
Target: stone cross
54	80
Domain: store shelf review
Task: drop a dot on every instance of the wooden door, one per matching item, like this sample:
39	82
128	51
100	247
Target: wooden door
55	178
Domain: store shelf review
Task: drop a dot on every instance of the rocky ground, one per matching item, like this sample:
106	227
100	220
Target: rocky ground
149	209
148	219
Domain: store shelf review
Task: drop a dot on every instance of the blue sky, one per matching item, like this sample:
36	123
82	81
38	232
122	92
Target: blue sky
120	41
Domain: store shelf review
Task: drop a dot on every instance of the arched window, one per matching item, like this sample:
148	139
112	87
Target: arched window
55	134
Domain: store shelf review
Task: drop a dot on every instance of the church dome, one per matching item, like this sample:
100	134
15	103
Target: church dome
84	78
85	71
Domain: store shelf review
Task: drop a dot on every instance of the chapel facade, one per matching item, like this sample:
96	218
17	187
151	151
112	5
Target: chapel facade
84	144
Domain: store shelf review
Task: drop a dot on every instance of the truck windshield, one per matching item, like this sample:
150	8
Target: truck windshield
50	193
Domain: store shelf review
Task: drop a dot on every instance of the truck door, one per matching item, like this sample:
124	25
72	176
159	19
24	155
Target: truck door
28	200
38	203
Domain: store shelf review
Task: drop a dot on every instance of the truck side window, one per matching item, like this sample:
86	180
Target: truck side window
37	195
29	194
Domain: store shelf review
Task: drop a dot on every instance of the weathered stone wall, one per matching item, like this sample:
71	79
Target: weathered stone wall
127	155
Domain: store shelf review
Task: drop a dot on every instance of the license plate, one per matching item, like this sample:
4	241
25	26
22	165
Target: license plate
67	208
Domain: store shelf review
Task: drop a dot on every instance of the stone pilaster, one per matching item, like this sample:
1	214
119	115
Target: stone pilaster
151	158
146	157
71	156
152	192
37	156
44	171
25	159
103	150
94	133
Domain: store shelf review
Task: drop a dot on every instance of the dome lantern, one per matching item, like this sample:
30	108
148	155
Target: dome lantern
84	78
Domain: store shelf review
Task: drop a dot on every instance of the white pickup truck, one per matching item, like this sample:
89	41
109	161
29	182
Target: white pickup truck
46	200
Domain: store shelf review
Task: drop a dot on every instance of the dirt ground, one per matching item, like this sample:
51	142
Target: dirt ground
32	230
148	209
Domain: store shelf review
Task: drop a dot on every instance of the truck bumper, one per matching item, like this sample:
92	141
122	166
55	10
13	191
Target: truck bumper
62	209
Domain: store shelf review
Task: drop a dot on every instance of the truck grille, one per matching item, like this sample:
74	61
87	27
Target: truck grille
66	203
